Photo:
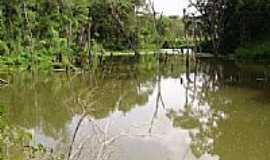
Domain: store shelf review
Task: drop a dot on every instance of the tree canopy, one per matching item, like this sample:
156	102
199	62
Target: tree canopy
232	23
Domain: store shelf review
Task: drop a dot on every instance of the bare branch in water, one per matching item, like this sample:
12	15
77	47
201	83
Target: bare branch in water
75	134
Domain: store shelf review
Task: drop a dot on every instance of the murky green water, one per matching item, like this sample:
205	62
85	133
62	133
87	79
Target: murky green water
137	111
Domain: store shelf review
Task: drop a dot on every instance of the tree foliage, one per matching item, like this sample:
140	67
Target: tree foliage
67	31
232	23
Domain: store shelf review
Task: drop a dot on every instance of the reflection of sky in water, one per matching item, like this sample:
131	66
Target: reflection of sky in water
165	141
199	126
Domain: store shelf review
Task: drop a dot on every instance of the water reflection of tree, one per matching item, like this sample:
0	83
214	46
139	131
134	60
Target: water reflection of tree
175	70
110	95
141	88
219	91
196	115
32	100
48	102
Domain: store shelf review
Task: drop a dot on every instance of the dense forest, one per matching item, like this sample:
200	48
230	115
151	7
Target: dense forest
73	31
235	26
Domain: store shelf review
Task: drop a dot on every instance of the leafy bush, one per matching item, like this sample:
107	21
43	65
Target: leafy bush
4	50
257	50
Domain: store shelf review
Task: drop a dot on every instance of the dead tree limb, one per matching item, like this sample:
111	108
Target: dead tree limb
75	134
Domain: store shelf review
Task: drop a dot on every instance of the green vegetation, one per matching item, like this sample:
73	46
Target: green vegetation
250	33
256	50
66	34
69	33
240	27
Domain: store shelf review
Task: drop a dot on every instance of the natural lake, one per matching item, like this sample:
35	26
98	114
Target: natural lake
137	109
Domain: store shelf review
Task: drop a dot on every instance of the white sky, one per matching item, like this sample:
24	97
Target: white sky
171	7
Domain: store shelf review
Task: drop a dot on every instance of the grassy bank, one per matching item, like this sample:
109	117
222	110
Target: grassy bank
47	61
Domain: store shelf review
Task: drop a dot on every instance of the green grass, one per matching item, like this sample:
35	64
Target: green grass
23	61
